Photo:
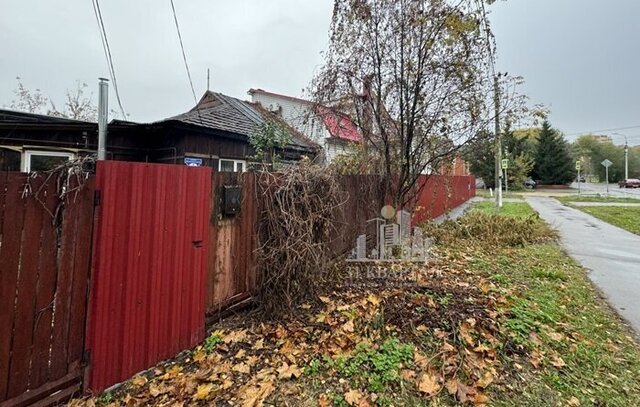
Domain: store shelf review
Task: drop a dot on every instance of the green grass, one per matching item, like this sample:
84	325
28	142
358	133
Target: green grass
595	198
602	361
625	217
558	313
515	209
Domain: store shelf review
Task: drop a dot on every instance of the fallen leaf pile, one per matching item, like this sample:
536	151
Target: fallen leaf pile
361	347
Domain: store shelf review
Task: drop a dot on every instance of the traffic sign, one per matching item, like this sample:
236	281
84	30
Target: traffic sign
606	163
505	164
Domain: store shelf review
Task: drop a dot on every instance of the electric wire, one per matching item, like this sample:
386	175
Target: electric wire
603	130
107	52
184	56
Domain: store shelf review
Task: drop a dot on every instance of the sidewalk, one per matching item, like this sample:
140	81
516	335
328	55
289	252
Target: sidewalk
610	253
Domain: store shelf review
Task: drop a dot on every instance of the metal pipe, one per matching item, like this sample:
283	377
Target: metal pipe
103	117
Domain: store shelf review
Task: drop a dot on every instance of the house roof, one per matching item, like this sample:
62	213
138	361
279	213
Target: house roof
252	91
217	111
12	116
339	125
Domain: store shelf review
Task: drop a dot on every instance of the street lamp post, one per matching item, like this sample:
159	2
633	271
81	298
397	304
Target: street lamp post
626	155
626	159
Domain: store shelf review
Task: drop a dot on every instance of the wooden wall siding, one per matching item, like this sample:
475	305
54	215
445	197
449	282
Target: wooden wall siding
216	146
44	271
232	239
149	267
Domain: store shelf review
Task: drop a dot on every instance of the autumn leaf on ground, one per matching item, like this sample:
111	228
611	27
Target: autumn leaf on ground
203	391
253	395
258	345
556	336
574	402
420	360
480	398
241	368
464	330
486	379
535	338
447	347
558	362
287	371
199	356
235	336
323	401
452	386
428	384
139	381
354	397
348	327
464	392
373	299
536	359
157	390
408	375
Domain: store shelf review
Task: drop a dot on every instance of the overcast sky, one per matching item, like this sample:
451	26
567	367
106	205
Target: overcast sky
579	57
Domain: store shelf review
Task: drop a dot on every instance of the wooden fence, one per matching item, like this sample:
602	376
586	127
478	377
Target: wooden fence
164	253
232	243
44	269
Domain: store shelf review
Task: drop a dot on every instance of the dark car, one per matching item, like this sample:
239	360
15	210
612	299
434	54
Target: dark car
630	183
580	178
529	184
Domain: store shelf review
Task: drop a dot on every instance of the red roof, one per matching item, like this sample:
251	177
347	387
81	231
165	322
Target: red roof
339	125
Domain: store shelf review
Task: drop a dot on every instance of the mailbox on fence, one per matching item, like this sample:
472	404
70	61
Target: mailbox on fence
231	199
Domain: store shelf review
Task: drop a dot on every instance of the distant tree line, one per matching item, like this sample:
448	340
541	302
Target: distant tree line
544	155
540	154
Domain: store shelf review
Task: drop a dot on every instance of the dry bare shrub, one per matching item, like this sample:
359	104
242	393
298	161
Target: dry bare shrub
297	226
492	230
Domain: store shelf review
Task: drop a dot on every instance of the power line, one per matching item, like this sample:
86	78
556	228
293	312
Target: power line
184	56
107	53
601	130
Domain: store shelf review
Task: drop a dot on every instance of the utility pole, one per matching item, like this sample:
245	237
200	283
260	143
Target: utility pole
498	146
626	159
103	117
506	171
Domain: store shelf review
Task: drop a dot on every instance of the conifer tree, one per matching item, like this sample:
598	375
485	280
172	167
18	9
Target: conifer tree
553	164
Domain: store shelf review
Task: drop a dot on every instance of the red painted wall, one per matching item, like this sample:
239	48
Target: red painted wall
442	193
147	300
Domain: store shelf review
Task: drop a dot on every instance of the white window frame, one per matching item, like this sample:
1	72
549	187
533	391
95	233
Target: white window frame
235	164
26	162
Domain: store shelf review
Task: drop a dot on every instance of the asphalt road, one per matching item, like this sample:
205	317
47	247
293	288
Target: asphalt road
614	190
611	254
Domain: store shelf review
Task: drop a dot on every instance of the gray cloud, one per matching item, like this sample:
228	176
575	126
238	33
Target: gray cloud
580	57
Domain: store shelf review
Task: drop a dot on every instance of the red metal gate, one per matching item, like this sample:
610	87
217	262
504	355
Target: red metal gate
150	260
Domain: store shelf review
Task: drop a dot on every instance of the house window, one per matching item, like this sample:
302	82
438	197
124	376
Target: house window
44	160
231	165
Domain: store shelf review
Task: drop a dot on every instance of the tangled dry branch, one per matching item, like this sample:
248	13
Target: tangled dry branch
69	177
298	223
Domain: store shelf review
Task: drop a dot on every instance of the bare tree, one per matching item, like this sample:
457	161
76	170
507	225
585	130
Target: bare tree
415	75
77	104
